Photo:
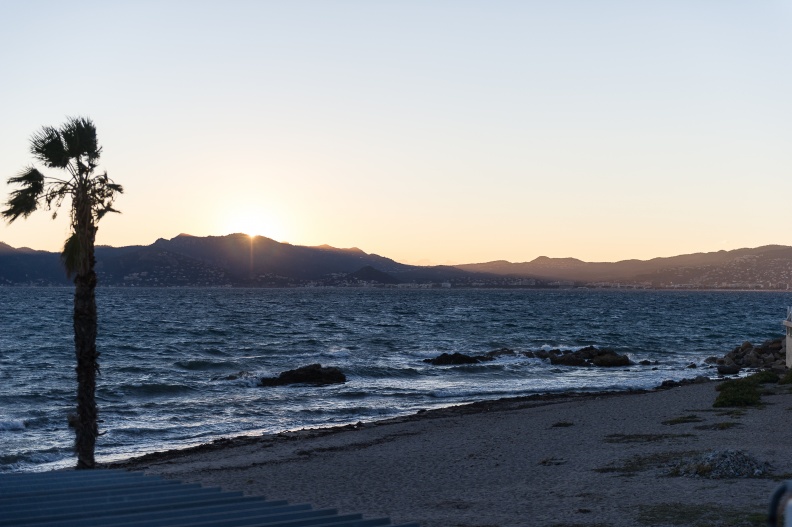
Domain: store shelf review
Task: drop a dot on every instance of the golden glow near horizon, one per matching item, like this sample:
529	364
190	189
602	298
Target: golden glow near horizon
434	132
253	223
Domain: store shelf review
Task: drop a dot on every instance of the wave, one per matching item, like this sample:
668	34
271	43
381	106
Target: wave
385	372
154	389
200	365
11	425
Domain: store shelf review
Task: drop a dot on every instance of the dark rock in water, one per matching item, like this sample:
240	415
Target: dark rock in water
711	360
728	369
455	359
692	365
590	356
610	359
569	359
645	362
771	354
311	374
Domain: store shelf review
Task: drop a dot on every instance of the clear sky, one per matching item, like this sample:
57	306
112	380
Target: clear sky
434	131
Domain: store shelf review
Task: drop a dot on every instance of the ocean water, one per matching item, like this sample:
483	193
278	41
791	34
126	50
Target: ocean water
179	367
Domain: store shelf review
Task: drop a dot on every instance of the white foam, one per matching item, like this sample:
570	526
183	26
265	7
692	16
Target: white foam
11	424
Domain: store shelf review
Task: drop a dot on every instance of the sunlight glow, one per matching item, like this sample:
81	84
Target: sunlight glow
254	223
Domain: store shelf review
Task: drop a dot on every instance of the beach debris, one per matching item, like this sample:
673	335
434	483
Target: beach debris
720	464
315	374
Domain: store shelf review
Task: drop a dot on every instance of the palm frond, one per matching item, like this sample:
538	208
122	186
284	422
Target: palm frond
24	201
70	256
79	135
47	146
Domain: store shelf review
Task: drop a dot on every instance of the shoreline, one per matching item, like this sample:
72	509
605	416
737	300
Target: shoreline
495	405
560	460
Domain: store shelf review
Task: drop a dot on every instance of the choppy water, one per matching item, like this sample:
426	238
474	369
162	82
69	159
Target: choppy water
166	352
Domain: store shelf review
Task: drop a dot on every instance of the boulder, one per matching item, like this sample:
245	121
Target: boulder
728	369
455	359
764	356
610	360
590	356
568	359
314	374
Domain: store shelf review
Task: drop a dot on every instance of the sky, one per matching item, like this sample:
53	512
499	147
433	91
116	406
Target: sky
432	132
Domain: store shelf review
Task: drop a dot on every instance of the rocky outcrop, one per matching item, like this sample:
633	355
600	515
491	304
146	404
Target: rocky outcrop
589	356
314	374
770	355
455	359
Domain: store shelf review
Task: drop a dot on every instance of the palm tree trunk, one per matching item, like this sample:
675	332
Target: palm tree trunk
85	328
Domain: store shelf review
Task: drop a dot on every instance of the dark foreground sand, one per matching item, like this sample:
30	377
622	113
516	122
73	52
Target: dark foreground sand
567	461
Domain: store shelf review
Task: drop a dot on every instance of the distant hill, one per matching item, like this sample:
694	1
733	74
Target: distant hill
241	261
232	260
768	267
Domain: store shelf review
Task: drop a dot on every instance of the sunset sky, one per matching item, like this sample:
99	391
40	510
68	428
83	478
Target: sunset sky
429	132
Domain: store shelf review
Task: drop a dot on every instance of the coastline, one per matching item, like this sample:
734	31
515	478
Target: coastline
556	460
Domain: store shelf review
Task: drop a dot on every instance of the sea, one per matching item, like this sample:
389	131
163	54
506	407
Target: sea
181	366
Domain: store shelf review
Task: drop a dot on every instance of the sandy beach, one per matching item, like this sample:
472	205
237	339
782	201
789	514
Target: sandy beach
572	460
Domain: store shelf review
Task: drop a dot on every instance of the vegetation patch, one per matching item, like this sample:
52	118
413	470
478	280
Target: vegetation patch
704	515
648	462
718	426
733	413
737	393
691	418
643	438
787	378
763	377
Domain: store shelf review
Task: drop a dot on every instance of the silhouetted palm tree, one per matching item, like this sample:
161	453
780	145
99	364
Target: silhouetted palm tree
73	148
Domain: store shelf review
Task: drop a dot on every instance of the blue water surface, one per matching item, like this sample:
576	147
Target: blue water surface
180	366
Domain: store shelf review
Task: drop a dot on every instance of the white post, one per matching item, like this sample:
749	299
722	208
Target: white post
788	324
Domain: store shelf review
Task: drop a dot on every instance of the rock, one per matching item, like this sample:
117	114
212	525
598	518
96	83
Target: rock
747	355
611	359
711	360
590	356
568	359
773	344
728	369
692	365
645	362
455	359
314	374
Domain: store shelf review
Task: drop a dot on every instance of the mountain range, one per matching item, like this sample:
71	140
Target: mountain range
237	260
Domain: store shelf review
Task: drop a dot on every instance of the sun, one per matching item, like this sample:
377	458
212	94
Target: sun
254	223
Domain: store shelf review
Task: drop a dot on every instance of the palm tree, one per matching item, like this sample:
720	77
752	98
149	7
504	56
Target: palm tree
72	148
